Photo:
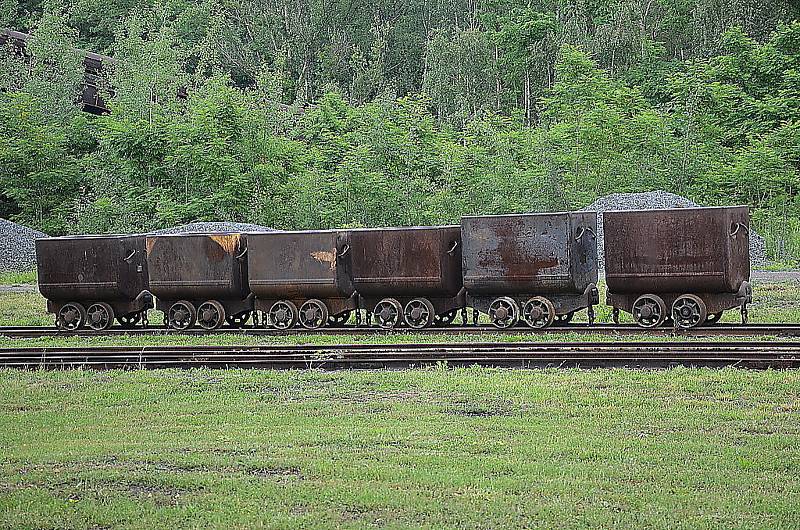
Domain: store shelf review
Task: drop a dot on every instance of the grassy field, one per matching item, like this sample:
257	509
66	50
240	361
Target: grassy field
18	278
473	448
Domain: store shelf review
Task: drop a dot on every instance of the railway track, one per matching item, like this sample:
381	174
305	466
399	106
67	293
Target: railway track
750	330
747	354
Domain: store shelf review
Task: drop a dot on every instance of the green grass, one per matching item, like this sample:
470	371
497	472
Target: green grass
466	448
24	309
18	278
238	339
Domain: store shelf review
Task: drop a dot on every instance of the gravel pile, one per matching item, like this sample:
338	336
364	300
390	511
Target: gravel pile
653	200
213	227
17	247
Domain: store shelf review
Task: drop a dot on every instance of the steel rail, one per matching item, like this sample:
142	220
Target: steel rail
784	330
750	354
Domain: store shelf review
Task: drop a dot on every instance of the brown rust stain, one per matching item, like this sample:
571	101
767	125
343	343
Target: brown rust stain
324	256
149	242
228	242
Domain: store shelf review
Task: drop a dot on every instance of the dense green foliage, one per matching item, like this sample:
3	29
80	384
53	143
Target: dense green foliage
308	114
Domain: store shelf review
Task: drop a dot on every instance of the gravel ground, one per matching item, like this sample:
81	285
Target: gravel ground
213	227
653	200
17	247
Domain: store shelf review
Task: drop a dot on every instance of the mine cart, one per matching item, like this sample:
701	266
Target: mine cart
687	264
91	280
536	268
408	275
200	279
302	277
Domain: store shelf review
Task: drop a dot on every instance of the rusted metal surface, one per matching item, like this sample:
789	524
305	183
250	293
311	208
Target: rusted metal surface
676	258
750	354
530	253
678	250
92	268
416	261
299	266
515	266
198	266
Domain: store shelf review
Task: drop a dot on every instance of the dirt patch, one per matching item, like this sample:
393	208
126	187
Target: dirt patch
275	472
485	410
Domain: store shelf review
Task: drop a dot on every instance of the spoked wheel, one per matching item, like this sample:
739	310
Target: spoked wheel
71	316
388	313
565	319
504	312
713	318
239	319
283	314
649	310
130	320
339	319
689	311
313	314
419	313
445	319
181	315
100	316
539	312
210	315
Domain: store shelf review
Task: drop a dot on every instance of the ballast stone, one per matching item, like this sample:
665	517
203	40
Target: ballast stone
17	246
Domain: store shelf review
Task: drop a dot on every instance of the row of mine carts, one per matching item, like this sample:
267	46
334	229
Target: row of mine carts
682	267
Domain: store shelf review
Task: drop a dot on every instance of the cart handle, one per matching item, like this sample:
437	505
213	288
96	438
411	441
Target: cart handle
582	230
130	256
344	251
738	227
453	249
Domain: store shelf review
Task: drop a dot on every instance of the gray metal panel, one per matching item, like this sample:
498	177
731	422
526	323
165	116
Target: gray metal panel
677	250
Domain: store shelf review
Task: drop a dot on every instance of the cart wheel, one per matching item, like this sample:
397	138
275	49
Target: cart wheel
504	312
283	314
419	313
129	320
445	319
339	319
71	316
313	314
565	319
388	313
210	315
539	312
713	318
100	316
689	311
181	315
649	310
239	319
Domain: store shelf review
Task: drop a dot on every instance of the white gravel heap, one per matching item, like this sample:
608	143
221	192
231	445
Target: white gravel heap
213	227
17	247
653	200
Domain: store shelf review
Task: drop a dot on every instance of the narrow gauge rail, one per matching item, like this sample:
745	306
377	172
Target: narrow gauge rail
746	354
736	330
